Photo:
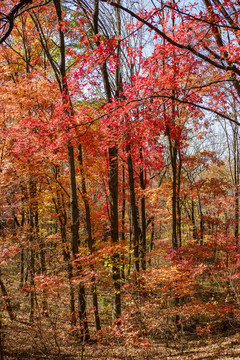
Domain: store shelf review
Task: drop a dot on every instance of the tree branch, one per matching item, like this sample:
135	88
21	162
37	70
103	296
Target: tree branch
9	18
228	67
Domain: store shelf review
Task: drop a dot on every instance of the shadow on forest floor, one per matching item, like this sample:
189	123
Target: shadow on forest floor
212	347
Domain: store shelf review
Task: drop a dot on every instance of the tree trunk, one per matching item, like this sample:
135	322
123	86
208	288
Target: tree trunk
193	221
6	299
123	219
152	239
73	203
134	209
1	339
113	168
73	189
62	217
201	221
173	154
22	250
179	215
113	189
143	214
32	209
236	181
90	238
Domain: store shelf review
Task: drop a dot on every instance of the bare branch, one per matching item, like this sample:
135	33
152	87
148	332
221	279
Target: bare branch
228	67
7	20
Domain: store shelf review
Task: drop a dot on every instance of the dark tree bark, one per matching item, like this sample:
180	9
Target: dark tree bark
134	209
73	189
152	238
236	172
7	20
90	237
22	250
32	209
201	221
179	214
113	171
62	217
143	249
7	300
173	156
221	61
123	219
194	229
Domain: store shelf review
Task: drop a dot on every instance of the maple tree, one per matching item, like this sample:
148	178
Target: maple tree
117	212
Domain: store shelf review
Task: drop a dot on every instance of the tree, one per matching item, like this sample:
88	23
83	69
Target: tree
106	151
219	56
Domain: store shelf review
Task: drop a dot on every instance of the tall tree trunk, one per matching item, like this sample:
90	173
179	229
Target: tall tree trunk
32	194
113	189
142	177
179	215
73	202
90	238
6	299
22	248
123	218
113	168
130	243
62	217
1	339
134	209
193	220
236	180
152	239
173	154
201	221
73	189
236	229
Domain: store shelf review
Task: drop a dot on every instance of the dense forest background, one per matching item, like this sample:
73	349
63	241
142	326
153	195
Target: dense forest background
119	179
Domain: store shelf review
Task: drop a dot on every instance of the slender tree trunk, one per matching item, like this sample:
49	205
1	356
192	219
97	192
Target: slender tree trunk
82	306
236	181
1	339
201	221
32	194
236	229
71	162
40	241
193	221
113	189
173	154
90	238
179	215
62	217
123	204
135	218
7	300
73	202
152	239
123	218
43	270
143	250
22	250
130	244
113	168
21	267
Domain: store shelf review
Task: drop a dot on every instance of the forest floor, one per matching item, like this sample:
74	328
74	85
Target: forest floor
49	338
211	347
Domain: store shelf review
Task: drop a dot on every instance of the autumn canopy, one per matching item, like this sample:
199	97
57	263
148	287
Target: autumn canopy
119	176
